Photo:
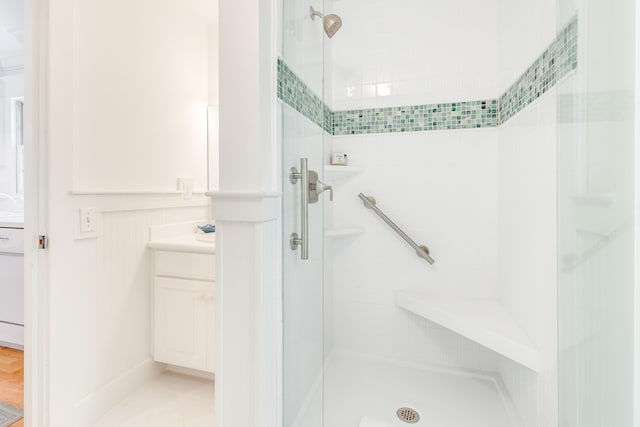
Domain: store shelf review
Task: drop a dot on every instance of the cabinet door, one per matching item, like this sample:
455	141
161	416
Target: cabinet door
180	316
210	331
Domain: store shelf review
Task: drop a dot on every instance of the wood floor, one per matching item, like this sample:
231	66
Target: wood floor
12	379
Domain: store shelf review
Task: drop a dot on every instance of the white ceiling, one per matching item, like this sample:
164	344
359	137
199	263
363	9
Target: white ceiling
11	29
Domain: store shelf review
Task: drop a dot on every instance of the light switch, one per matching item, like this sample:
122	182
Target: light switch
185	185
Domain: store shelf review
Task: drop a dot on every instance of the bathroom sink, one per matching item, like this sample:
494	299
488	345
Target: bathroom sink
12	219
207	238
11	214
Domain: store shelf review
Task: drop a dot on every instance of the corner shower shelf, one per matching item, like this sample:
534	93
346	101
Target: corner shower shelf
336	174
592	213
338	233
486	322
594	199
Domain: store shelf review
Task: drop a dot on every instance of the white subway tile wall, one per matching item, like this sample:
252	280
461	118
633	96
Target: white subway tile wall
528	252
413	177
556	61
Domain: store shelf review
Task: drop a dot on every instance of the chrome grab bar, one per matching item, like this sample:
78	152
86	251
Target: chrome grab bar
422	251
303	239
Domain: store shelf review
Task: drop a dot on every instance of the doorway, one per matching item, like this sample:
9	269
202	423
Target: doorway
12	191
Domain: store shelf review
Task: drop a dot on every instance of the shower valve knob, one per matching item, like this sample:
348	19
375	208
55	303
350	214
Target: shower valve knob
317	187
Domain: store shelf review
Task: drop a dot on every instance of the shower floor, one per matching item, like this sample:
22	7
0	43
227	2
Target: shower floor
358	387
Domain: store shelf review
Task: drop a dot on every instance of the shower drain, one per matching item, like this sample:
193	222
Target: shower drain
408	415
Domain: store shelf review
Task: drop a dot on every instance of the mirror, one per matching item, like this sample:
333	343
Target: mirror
213	147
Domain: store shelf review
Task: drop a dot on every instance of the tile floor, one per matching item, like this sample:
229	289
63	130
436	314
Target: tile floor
171	400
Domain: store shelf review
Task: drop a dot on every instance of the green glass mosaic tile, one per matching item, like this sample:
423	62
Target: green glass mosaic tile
295	93
555	62
416	118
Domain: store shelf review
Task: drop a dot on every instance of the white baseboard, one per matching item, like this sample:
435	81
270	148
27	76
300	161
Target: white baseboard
191	372
12	335
93	406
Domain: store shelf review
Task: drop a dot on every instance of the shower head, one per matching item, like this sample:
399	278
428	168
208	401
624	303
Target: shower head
331	23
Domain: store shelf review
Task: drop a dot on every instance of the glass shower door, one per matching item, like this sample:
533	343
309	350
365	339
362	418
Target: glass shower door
300	90
596	208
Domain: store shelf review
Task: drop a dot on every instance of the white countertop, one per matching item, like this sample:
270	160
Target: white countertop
11	219
185	243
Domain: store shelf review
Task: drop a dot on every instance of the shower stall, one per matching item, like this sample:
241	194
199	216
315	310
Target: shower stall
459	211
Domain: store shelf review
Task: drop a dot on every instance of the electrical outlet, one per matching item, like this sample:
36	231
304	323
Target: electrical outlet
87	220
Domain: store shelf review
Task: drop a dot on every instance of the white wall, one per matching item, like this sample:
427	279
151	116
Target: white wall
483	200
528	211
527	28
528	252
413	52
100	309
441	188
128	89
214	71
141	88
303	41
419	54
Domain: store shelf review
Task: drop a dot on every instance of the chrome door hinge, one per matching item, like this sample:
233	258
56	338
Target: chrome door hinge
43	242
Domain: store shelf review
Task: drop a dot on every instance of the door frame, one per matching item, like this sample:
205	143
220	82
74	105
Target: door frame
636	391
36	392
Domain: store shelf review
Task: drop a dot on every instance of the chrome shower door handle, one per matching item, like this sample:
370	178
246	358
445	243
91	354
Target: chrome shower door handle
303	239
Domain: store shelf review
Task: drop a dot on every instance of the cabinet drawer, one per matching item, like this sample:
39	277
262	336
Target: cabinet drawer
188	265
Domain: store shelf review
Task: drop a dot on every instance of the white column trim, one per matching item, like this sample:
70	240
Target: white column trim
245	206
248	313
247	212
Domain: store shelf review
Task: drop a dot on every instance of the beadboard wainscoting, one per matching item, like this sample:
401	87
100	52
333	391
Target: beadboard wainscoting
111	293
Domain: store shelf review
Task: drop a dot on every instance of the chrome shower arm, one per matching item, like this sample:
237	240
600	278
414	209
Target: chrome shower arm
315	13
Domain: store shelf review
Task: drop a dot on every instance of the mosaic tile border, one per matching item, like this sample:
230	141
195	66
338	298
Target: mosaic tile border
560	58
295	93
416	118
556	62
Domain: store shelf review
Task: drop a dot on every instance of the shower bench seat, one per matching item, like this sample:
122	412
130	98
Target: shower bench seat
486	322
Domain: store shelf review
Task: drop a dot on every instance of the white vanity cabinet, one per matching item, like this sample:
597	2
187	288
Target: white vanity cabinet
184	307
